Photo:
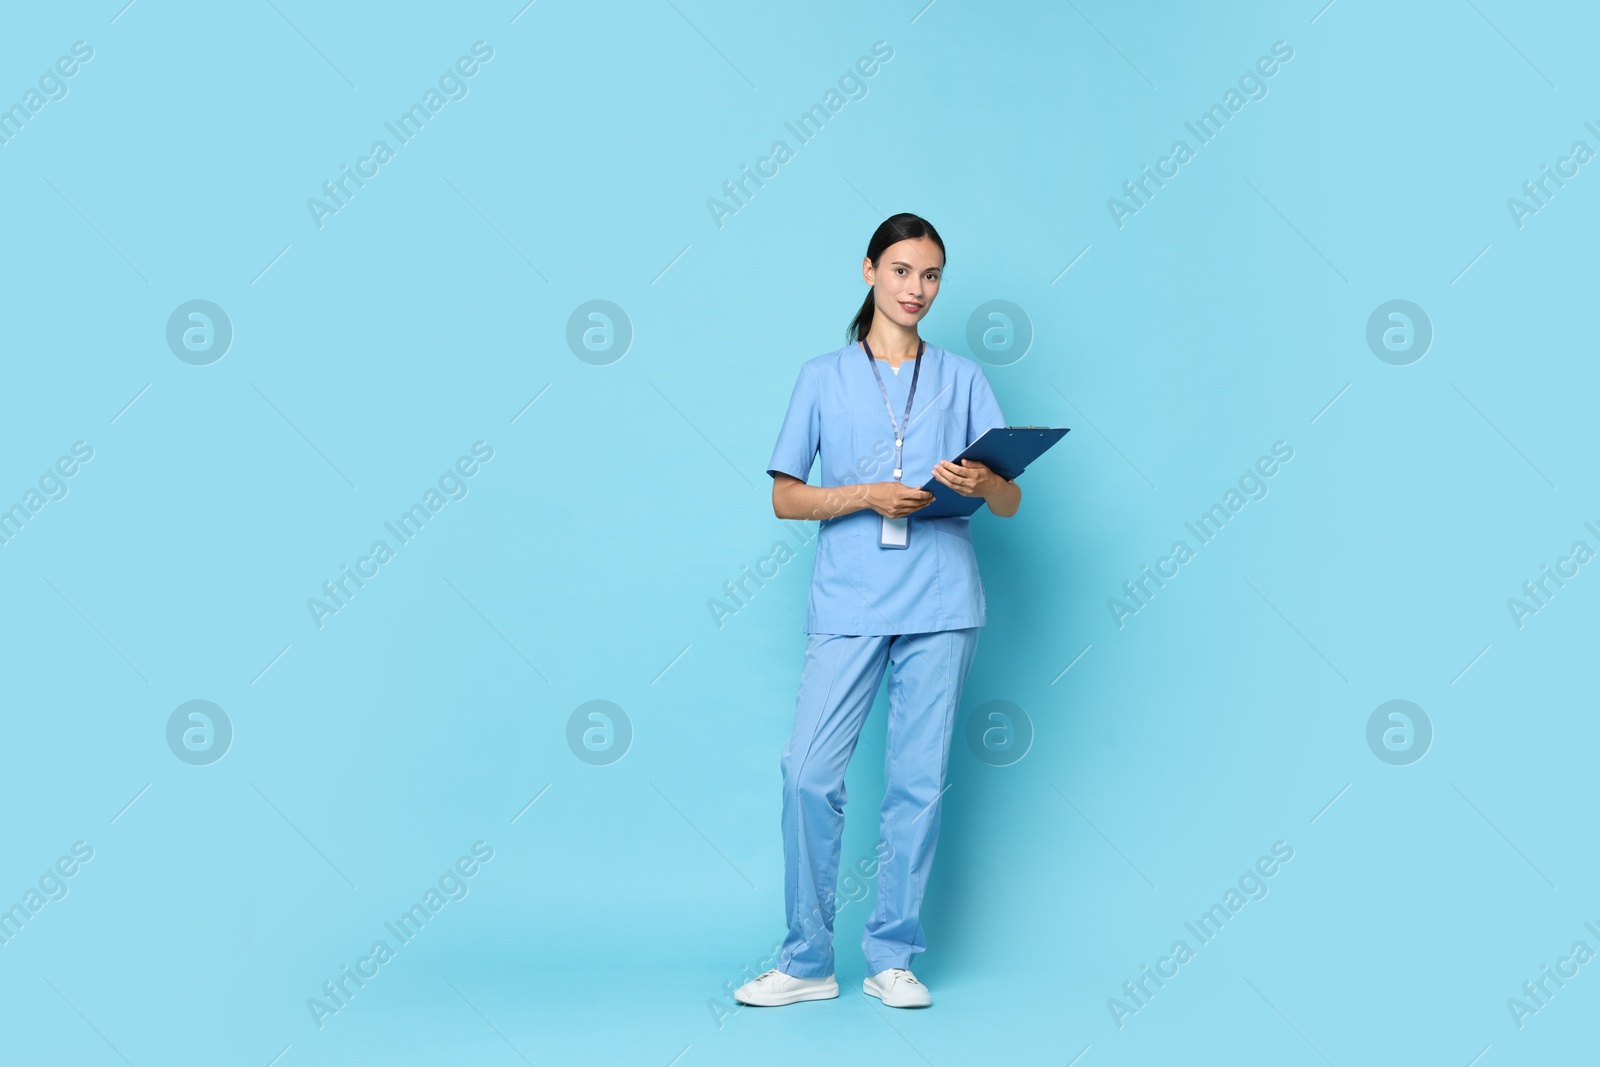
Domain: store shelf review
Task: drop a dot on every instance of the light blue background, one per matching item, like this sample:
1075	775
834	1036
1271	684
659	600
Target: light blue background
369	754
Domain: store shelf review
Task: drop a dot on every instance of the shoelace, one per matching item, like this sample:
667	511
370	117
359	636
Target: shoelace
901	974
774	976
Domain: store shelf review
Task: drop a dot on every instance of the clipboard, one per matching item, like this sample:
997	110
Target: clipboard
1006	450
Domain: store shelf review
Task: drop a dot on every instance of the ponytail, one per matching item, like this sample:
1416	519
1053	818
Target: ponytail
861	325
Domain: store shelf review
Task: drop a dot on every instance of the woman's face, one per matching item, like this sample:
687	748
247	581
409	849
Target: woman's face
906	279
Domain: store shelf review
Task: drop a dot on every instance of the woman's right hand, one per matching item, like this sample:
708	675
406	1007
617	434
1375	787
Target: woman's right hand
895	500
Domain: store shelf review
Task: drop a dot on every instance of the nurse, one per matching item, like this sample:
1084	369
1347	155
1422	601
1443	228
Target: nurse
889	591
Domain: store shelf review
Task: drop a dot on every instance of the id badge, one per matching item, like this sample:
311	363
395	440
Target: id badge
894	533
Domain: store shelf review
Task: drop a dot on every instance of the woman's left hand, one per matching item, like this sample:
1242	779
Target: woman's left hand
970	479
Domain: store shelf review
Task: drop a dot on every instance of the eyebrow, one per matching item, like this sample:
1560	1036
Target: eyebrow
903	263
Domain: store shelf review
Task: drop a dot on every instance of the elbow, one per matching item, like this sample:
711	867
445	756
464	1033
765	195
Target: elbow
784	505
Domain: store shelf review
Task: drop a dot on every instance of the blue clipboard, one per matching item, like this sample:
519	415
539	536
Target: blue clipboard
1006	450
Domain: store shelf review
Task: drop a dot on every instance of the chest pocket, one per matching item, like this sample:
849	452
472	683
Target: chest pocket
946	424
934	434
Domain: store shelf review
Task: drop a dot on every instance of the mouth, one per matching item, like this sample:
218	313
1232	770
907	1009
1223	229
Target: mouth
911	307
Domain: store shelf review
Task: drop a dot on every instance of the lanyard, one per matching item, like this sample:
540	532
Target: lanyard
899	435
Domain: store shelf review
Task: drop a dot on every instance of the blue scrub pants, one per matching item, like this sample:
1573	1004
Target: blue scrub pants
837	687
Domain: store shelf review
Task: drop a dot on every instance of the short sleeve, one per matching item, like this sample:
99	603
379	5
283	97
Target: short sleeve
983	410
801	435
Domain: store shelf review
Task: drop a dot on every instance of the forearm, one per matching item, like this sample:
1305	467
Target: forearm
1004	498
793	499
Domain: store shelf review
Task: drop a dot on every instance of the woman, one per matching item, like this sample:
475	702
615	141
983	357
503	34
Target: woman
917	609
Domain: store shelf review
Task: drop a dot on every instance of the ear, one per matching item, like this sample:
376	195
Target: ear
867	273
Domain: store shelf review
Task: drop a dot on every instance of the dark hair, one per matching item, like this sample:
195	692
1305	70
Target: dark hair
895	228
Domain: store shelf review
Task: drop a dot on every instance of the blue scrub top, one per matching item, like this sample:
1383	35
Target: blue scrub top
857	586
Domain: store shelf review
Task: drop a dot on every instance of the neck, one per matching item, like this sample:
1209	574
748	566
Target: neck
891	342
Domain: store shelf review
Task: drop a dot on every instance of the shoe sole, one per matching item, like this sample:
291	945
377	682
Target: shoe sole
793	998
870	990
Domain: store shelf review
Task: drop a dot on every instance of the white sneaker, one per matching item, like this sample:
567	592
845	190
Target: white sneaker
898	988
773	988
